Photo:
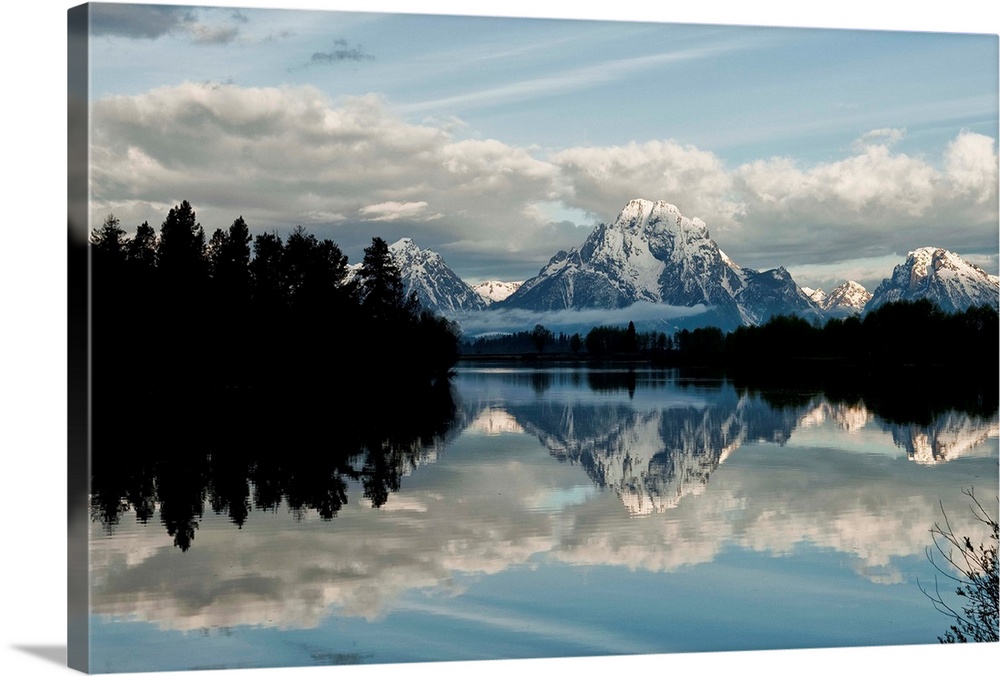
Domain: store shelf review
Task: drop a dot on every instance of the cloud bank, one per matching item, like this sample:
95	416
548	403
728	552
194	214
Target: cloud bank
285	156
645	316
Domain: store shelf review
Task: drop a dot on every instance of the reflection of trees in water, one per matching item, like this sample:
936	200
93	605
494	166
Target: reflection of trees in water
237	453
255	455
896	394
933	415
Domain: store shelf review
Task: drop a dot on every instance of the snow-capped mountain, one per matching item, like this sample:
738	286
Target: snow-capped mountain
437	286
940	276
849	298
495	291
817	296
653	253
770	293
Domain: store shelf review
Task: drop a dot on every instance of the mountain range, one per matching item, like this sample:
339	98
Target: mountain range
847	299
653	254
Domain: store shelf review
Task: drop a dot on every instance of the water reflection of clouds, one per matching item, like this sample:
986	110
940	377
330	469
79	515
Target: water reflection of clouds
826	476
367	560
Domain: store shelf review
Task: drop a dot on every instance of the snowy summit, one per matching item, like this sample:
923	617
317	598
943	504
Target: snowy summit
438	288
940	276
652	253
494	291
847	299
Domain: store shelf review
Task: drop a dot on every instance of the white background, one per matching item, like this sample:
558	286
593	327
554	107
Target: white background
33	327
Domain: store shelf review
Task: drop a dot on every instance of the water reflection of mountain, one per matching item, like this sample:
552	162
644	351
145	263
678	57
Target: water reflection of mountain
655	450
649	435
949	436
653	457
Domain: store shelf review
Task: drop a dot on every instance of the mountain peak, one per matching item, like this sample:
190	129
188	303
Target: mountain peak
850	298
438	288
941	276
654	254
817	296
406	245
641	215
494	291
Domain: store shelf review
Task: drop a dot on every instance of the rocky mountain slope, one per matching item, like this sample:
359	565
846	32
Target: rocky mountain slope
494	291
653	253
940	276
437	286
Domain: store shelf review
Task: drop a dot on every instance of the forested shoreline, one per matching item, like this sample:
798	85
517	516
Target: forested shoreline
216	374
260	379
903	333
176	311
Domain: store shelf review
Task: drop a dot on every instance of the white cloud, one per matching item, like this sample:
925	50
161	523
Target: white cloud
971	166
284	156
874	203
287	155
873	180
886	136
602	179
394	211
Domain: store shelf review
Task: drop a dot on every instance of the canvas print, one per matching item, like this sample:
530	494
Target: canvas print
405	338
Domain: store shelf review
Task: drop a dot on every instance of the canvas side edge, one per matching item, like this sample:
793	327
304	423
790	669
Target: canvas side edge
78	339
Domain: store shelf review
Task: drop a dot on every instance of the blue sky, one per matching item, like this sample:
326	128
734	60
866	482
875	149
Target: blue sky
499	141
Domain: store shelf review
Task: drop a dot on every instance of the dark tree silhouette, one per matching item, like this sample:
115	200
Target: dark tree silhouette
314	273
141	249
266	287
540	337
182	245
109	240
382	291
229	259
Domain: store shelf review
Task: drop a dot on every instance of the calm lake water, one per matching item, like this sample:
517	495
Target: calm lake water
554	512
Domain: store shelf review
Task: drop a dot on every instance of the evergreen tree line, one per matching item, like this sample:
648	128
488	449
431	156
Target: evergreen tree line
905	333
900	333
907	359
539	339
600	341
237	371
174	310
